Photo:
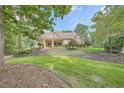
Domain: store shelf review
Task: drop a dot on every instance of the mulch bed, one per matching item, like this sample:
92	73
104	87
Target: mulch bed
115	58
29	76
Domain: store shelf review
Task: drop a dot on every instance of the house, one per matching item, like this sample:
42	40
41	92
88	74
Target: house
53	39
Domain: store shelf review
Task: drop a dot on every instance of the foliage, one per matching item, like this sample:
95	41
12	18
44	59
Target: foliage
66	31
88	42
10	33
79	72
96	40
31	43
30	21
72	43
100	27
40	44
82	29
108	23
117	43
22	53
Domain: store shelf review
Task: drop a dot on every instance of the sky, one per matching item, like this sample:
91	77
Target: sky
79	14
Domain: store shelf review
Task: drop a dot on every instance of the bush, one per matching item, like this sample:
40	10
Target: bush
65	45
88	42
31	43
117	42
81	45
40	44
22	53
72	43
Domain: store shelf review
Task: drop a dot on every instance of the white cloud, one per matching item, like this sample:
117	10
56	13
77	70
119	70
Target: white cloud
102	9
74	25
74	8
77	8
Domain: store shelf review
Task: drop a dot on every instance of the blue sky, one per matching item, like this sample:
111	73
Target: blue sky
79	14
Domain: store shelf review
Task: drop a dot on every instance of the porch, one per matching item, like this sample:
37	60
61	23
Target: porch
52	42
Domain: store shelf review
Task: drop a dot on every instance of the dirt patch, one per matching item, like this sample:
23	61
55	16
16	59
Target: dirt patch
28	76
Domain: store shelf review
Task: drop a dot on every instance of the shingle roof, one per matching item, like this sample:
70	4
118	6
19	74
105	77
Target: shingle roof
67	35
59	35
49	35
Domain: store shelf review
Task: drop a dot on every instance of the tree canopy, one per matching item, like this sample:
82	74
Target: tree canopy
30	21
82	29
66	31
108	23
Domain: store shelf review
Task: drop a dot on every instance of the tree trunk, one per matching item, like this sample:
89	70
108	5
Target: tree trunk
110	45
1	40
19	42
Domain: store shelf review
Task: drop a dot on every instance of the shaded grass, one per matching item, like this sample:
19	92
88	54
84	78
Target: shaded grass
79	72
93	50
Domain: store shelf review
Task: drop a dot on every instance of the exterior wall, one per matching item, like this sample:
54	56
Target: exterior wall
79	39
66	42
52	43
60	41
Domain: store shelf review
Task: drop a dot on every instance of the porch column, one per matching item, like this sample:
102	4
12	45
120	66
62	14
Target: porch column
52	42
44	43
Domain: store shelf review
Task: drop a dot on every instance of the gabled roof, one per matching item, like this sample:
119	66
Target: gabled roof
61	35
67	35
49	35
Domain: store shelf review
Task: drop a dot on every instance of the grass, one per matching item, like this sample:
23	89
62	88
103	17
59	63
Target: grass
93	50
79	52
79	72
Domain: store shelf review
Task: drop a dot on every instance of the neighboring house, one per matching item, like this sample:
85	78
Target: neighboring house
52	39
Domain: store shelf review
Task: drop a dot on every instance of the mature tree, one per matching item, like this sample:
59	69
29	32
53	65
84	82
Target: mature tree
82	29
1	39
38	18
100	27
11	29
31	20
109	22
28	21
115	16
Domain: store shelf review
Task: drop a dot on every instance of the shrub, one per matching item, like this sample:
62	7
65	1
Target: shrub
66	45
31	43
40	44
88	42
117	42
72	43
81	45
22	53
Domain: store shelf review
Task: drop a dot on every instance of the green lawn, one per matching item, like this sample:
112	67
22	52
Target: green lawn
79	52
79	72
93	50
